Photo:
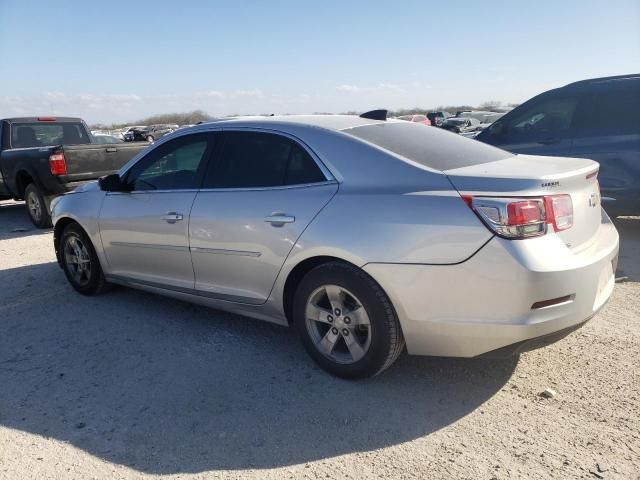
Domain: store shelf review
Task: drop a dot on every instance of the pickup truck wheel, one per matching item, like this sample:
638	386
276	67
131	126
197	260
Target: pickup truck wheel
149	139
80	261
37	207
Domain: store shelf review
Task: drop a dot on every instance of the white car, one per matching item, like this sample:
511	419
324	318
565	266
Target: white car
363	233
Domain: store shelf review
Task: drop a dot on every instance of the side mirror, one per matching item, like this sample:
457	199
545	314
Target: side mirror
112	183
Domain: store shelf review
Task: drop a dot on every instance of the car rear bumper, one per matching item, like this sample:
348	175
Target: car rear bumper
495	299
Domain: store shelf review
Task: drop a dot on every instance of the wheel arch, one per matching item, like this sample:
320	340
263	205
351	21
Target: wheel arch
298	272
58	228
23	178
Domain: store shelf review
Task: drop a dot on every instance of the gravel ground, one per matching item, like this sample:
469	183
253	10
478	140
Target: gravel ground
131	385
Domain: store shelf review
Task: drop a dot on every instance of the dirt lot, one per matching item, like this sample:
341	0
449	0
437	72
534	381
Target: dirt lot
131	385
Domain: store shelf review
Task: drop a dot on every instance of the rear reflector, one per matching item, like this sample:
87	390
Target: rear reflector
57	164
47	119
553	301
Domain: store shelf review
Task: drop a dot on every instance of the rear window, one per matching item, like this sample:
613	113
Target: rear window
40	134
431	147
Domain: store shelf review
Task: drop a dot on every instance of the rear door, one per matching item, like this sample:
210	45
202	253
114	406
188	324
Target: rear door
542	126
145	231
260	192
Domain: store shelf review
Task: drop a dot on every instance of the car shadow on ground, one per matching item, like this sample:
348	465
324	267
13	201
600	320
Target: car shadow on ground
15	223
167	387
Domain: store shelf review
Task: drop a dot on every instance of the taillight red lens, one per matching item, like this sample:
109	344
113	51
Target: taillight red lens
57	164
518	218
559	210
520	213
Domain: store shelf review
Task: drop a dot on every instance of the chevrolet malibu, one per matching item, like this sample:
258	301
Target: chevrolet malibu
365	234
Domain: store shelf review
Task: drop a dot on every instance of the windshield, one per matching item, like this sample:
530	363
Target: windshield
40	134
431	147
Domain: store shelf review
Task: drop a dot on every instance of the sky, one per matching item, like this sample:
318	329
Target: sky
119	61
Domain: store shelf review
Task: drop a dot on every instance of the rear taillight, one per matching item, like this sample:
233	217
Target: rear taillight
57	164
523	217
559	210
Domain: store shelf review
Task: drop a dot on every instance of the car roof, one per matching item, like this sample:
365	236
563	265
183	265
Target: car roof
591	81
328	122
35	119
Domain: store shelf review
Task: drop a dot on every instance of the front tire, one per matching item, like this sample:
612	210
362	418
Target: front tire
346	321
80	261
37	206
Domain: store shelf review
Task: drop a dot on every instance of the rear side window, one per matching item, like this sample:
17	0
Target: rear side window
257	159
40	134
612	109
431	147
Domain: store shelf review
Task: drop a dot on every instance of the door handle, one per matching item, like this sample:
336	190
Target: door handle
279	219
111	149
172	217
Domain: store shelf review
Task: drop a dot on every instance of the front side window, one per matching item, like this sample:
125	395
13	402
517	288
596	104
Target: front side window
257	159
551	116
175	165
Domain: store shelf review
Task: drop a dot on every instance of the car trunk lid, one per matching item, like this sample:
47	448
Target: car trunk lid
528	176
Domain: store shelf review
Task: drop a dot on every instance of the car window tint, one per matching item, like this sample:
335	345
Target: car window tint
550	116
609	110
256	159
25	135
431	147
302	168
171	166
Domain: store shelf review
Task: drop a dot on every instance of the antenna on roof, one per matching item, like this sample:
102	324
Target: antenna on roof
375	115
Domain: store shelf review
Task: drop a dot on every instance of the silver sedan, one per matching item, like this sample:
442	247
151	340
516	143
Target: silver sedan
364	234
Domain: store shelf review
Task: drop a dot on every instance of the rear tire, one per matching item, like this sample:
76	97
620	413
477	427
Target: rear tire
346	321
150	139
80	261
37	207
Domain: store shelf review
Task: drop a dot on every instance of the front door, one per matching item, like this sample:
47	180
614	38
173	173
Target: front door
145	231
259	194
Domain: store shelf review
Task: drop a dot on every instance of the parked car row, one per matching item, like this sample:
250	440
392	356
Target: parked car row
148	134
240	215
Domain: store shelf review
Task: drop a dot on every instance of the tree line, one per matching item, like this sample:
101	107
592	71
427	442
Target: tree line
196	116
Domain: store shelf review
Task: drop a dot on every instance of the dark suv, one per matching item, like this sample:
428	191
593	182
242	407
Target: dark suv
597	119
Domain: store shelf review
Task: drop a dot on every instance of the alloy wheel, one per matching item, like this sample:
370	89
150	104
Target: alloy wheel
338	324
77	259
34	206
